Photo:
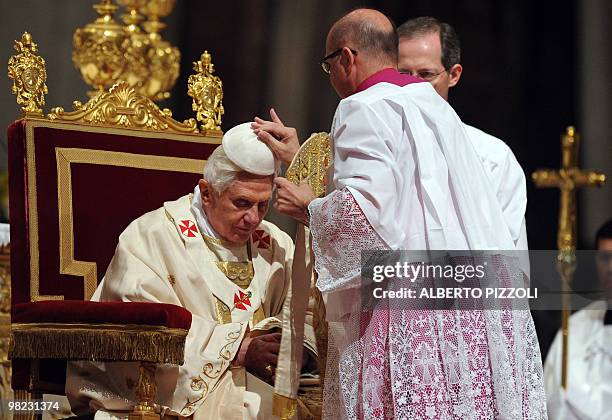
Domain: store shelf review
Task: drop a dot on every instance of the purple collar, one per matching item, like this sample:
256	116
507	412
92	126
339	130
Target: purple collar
389	75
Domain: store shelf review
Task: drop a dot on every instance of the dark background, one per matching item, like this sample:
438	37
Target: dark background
530	70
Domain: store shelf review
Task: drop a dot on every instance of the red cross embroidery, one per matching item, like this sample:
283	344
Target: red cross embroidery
242	299
261	239
188	228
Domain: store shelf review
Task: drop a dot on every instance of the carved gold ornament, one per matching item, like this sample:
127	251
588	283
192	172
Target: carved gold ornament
207	93
122	106
163	59
137	45
28	72
106	52
311	163
99	49
146	388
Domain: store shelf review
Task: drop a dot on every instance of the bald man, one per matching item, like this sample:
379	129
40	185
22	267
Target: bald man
405	177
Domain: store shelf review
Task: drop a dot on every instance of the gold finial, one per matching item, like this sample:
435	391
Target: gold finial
207	93
137	46
155	9
99	49
28	72
163	60
132	18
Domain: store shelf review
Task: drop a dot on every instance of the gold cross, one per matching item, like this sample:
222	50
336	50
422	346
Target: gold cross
568	179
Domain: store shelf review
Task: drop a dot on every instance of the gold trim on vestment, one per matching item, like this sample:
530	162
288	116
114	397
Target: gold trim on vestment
81	266
283	407
239	272
218	241
101	342
202	382
259	315
224	315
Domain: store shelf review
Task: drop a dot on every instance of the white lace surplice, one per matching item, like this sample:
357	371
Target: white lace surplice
406	180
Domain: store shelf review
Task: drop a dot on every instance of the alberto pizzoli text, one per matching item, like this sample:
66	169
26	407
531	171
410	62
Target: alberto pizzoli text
457	293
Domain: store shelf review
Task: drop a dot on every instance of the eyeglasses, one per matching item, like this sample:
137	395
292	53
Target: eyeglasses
424	74
325	65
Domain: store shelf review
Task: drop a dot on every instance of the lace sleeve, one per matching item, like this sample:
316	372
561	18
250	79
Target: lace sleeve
340	232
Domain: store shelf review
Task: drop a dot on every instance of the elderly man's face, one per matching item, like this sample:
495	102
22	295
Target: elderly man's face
236	212
422	57
604	265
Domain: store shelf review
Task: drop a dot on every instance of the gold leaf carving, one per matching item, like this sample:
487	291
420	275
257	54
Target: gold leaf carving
311	163
29	75
122	106
207	93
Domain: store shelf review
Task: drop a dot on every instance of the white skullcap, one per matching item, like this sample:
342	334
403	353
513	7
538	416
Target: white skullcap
252	155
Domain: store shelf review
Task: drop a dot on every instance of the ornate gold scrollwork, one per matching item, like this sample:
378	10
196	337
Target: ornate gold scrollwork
205	381
207	93
311	163
239	272
122	106
28	72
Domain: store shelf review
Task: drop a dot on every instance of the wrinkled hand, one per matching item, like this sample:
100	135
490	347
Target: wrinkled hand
263	351
293	200
283	141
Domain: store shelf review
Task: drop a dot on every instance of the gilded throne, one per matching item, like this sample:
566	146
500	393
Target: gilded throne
76	180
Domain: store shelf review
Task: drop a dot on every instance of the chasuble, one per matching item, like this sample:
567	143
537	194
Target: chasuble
231	291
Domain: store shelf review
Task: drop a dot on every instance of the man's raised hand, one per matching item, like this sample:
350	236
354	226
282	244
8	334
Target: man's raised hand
283	141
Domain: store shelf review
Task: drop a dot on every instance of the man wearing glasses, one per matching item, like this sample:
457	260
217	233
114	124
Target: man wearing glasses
430	50
405	177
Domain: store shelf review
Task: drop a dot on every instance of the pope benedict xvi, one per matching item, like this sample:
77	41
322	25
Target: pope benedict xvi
212	253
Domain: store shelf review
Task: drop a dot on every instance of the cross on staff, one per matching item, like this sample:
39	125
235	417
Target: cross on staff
568	179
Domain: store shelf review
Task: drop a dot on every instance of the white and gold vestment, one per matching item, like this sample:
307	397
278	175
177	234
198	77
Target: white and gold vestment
231	291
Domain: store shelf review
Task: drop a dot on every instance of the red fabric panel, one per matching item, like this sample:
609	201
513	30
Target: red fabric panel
20	254
105	200
84	312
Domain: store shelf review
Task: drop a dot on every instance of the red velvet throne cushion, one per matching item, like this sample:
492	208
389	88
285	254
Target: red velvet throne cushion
86	312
